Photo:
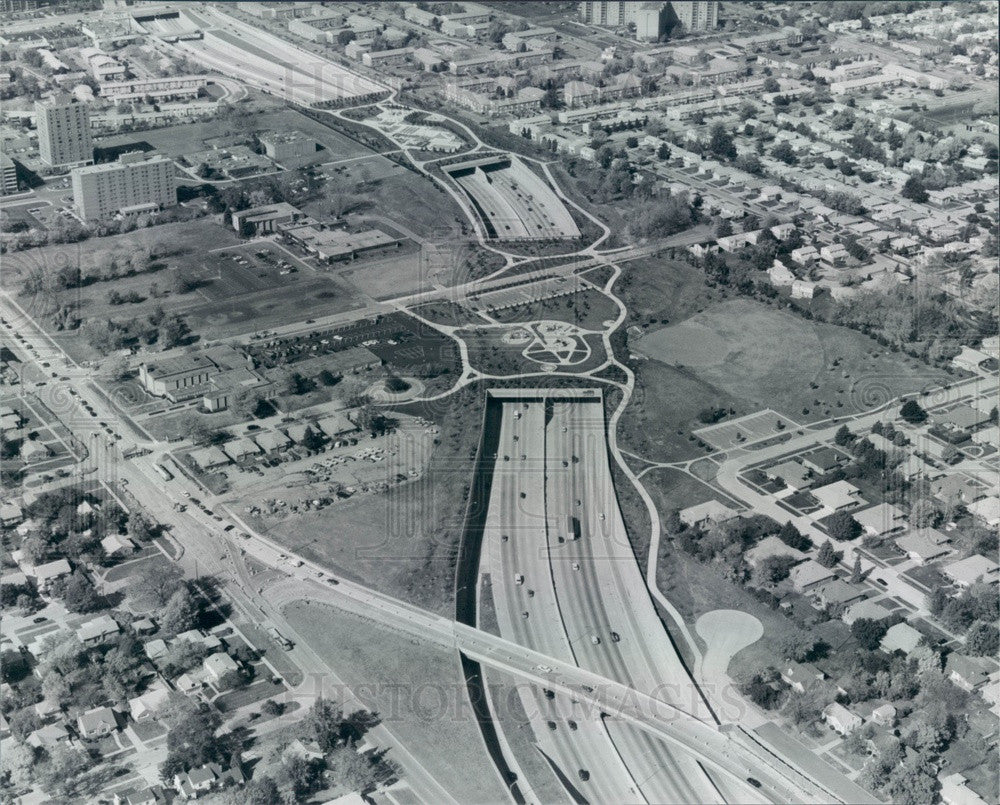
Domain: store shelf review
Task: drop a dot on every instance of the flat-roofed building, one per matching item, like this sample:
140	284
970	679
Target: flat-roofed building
282	145
64	132
8	176
171	378
267	218
331	245
134	184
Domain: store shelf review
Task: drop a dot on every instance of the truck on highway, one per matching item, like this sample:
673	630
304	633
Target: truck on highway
280	639
518	578
166	474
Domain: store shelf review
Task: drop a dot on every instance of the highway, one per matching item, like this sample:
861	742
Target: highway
528	613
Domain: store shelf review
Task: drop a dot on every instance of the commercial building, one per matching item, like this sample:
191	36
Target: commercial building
651	16
337	244
64	132
8	175
282	145
268	218
170	378
159	89
135	183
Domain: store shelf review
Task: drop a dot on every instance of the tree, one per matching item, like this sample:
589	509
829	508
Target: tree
912	412
13	666
63	769
798	646
139	528
982	640
773	569
784	152
721	143
261	790
352	770
78	594
843	436
151	589
842	526
914	190
924	513
272	708
793	538
181	613
827	556
869	632
326	722
771	84
118	369
192	743
173	331
298	777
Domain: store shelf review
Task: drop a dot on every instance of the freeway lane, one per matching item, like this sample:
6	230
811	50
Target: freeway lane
517	511
595	602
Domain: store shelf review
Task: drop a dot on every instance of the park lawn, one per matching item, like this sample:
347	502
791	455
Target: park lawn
416	689
767	357
673	489
664	410
659	290
695	588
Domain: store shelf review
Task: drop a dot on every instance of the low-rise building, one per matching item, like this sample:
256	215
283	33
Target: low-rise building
972	570
810	575
969	673
97	630
800	675
840	719
97	723
838	496
902	637
881	519
704	515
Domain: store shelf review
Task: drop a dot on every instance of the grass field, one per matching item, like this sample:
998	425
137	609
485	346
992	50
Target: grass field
673	489
417	691
588	308
745	355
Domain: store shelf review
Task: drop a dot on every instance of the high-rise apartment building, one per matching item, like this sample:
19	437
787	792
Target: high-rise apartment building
651	19
8	175
135	183
64	132
696	15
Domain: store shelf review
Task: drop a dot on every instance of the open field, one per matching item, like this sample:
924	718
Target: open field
416	690
673	489
769	357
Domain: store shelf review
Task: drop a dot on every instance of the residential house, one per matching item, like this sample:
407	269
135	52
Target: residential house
800	675
987	510
884	715
969	673
881	519
823	460
241	448
97	723
218	665
840	719
704	515
210	458
147	796
921	549
838	496
97	631
155	649
771	546
810	575
955	791
192	784
117	545
955	487
49	572
791	473
49	735
272	442
10	515
971	570
902	637
146	706
839	593
867	608
209	641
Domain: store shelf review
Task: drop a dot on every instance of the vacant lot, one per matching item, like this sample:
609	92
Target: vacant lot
764	357
416	690
673	489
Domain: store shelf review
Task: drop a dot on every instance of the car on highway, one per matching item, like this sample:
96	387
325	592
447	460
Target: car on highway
576	566
615	637
571	724
754	782
584	775
518	578
595	640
